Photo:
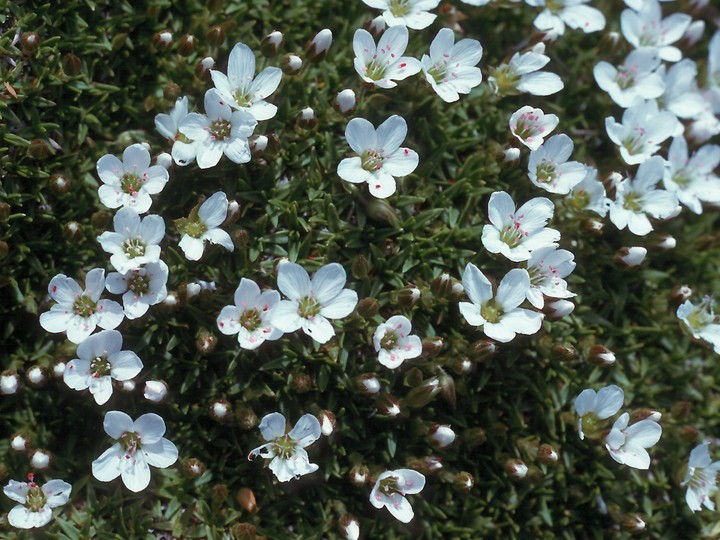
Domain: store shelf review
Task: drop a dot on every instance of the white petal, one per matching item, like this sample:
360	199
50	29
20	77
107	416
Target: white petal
319	328
116	423
161	454
107	467
135	472
151	428
272	426
306	431
294	281
341	306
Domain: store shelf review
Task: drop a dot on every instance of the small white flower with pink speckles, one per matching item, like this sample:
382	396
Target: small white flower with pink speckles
36	503
384	63
549	168
642	131
450	68
393	342
531	126
249	318
390	490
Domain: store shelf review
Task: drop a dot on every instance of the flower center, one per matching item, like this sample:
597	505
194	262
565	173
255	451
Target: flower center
491	312
242	98
134	247
138	284
699	318
375	70
100	367
309	307
372	160
130	442
399	8
389	341
389	485
635	144
504	80
513	234
131	183
84	306
631	203
35	498
220	129
681	178
591	425
251	319
554	6
437	72
195	229
545	172
284	446
625	77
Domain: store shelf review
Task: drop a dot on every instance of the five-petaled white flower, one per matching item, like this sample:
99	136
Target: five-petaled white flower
135	242
701	478
522	75
79	312
700	321
516	234
627	444
99	361
573	13
383	64
241	89
646	27
312	303
380	157
499	315
287	450
411	13
394	343
36	503
202	226
138	445
219	131
549	168
450	68
390	489
249	318
692	178
591	407
637	77
590	194
642	131
638	198
547	267
141	288
531	126
130	182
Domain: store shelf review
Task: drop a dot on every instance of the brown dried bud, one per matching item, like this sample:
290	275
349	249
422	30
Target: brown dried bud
100	219
194	468
689	434
380	210
244	531
547	455
360	267
633	523
205	341
4	212
4	250
240	238
359	475
463	482
220	494
247	418
516	469
60	184
367	308
71	65
172	91
564	352
186	45
215	35
474	437
681	410
246	498
29	43
301	383
602	356
38	149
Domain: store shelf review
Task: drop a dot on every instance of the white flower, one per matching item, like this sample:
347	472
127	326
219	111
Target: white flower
36	503
287	450
450	68
646	27
593	406
99	361
138	445
590	194
636	78
312	303
638	198
249	318
627	444
573	13
241	89
130	182
202	226
522	74
135	242
516	234
79	312
167	124
701	478
220	131
380	157
531	126
682	96
700	321
642	131
547	267
549	168
383	64
691	178
394	343
390	489
411	13
500	317
140	288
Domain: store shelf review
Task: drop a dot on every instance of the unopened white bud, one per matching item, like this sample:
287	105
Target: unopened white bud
327	423
511	154
127	386
345	101
220	409
164	159
59	369
319	45
155	391
40	459
631	256
9	383
377	26
442	436
558	309
19	443
36	375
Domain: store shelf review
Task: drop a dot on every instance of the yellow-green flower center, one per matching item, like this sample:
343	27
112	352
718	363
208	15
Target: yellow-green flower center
84	306
35	498
399	8
284	446
309	307
134	247
130	443
220	129
250	319
389	341
131	183
491	312
138	284
100	367
545	172
372	160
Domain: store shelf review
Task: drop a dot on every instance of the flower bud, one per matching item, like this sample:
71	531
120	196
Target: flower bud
155	391
172	91
483	351
408	296
664	242
318	47
380	210
474	437
40	459
360	267
258	144
693	34
163	40
679	294
432	346
441	286
376	26
127	386
193	468
72	65
100	219
516	469
270	45
38	150
593	225
4	250
36	376
246	417
422	395
240	238
689	434
349	527
511	155
645	414
558	309
246	498
4	212
29	43
462	365
221	410
171	302
633	523
306	119
630	256
73	231
359	475
58	369
602	356
327	422
547	455
564	352
205	342
203	67
441	436
367	308
9	383
215	35
301	383
20	442
463	482
426	465
165	160
681	410
291	64
186	45
244	531
367	383
345	102
387	405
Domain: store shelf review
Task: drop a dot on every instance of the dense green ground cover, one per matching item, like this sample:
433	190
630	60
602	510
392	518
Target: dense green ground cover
94	85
